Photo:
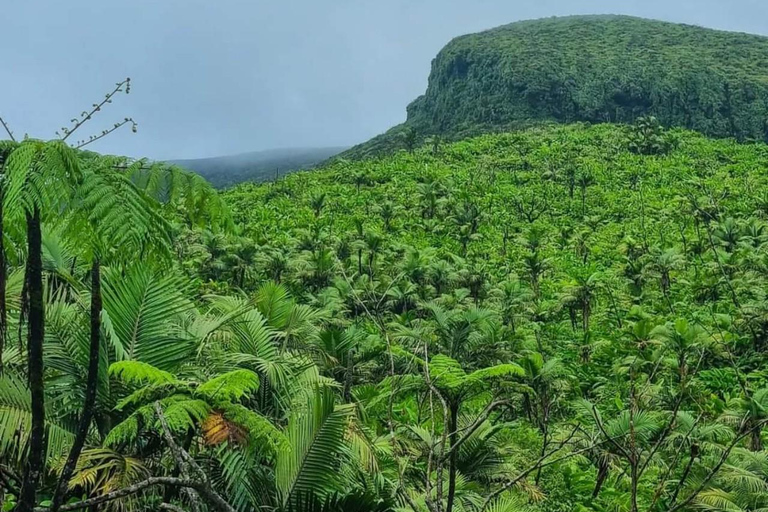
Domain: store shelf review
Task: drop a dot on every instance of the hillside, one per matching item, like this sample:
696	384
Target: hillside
564	318
629	289
225	171
592	69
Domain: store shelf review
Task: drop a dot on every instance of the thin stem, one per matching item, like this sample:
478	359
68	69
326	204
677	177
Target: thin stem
35	465
90	390
7	130
103	134
125	491
96	107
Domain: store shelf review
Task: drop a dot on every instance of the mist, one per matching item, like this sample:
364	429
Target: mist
226	77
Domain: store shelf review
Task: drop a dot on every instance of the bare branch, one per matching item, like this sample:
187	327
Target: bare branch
611	440
86	116
125	491
475	425
444	437
7	130
664	435
540	462
670	467
716	468
182	464
185	462
117	126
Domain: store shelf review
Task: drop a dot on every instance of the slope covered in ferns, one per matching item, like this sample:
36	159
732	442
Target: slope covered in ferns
558	319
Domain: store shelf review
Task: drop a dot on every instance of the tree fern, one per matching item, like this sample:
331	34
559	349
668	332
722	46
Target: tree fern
39	175
175	187
139	373
231	386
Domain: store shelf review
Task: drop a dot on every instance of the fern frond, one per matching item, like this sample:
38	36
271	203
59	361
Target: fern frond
139	373
231	386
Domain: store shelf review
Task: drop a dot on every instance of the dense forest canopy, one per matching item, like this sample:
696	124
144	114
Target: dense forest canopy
594	69
563	318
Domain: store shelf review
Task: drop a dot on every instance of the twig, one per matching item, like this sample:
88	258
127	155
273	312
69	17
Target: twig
193	497
117	126
715	469
7	130
186	462
96	108
125	491
539	463
475	425
670	467
611	440
171	508
444	436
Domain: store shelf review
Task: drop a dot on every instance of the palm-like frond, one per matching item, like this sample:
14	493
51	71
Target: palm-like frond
16	420
231	386
175	187
316	439
144	308
508	504
100	471
717	500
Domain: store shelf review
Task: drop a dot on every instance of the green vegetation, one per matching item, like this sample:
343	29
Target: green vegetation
567	318
593	69
226	171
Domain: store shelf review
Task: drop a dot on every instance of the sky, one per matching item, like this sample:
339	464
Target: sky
219	77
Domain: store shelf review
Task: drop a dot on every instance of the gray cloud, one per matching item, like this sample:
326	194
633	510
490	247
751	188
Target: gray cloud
227	76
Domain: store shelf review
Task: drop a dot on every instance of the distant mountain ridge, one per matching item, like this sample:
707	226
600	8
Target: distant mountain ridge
601	68
226	171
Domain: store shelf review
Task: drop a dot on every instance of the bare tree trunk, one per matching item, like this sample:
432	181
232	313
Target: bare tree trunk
585	314
33	469
633	457
348	378
360	262
3	280
544	427
543	452
3	270
602	474
90	390
634	478
755	440
452	427
170	493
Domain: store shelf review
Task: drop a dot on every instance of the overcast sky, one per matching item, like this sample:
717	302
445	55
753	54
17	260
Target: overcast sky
215	77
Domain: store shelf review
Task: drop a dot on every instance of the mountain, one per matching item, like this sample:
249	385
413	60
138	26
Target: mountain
594	69
225	171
